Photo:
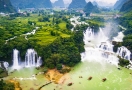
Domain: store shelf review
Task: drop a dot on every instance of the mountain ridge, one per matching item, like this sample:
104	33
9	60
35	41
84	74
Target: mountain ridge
90	8
127	6
77	4
31	3
6	6
119	4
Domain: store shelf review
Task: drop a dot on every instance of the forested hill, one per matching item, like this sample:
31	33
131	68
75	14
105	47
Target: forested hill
31	3
59	3
127	6
5	6
90	8
77	4
119	4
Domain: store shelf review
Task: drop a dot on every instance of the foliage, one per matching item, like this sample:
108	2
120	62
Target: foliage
6	86
43	19
63	51
127	41
123	62
90	8
116	45
95	23
53	41
126	21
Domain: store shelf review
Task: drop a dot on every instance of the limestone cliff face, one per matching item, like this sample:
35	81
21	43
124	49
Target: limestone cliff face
77	4
31	3
6	6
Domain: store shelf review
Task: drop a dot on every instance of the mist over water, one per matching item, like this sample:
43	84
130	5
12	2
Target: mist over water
98	48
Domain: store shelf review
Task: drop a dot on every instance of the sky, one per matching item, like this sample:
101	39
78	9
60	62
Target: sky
100	1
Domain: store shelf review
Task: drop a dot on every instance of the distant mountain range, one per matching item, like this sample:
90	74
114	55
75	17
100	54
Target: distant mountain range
59	3
31	3
5	6
119	4
127	6
77	4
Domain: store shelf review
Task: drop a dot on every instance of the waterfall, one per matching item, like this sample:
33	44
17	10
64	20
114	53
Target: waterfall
32	59
4	65
39	62
98	48
88	33
15	59
123	52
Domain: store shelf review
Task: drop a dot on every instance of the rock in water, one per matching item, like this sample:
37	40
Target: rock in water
77	4
104	79
69	84
90	78
6	6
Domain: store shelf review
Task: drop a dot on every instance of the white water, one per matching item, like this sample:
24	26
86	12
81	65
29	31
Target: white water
4	65
30	33
39	62
98	48
123	52
29	78
75	21
31	58
119	38
16	59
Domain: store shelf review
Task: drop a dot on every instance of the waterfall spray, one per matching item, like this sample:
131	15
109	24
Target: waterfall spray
15	59
32	59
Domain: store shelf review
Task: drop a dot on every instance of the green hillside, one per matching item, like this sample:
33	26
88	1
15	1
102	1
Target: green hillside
6	7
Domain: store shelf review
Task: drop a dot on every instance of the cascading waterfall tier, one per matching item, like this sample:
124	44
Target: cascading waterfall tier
98	48
123	52
16	59
31	59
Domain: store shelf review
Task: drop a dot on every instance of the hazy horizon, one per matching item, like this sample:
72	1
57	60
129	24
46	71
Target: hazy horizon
106	2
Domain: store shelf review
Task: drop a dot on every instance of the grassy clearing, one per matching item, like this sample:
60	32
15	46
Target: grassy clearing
43	38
